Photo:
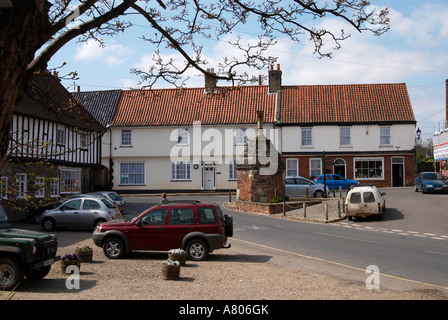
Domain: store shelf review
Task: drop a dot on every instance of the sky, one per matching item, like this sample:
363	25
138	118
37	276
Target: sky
414	51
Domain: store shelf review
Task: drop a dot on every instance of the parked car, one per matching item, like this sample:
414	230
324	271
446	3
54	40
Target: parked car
430	182
365	201
198	228
33	215
334	181
24	253
112	196
301	187
83	211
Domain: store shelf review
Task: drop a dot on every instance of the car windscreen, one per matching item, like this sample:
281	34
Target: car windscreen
4	222
108	204
114	196
432	176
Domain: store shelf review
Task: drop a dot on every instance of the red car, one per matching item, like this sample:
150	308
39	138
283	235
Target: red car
198	228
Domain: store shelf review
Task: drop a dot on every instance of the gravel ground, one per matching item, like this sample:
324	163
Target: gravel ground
243	272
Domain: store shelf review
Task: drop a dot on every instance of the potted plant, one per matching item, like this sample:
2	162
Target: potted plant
70	259
177	255
170	269
84	253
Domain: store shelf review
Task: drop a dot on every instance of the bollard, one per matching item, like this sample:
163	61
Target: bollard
339	209
230	195
326	212
304	210
284	208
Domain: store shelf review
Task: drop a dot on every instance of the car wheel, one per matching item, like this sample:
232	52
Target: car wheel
11	274
229	226
114	248
99	221
197	250
49	224
318	194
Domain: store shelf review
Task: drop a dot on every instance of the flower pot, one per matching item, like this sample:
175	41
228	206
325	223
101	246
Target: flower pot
66	263
181	257
85	256
170	272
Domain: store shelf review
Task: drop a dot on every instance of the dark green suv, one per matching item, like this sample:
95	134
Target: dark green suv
24	253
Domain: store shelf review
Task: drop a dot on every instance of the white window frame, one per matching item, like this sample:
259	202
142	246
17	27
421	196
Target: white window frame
358	174
232	170
314	170
306	139
180	171
292	167
39	192
21	185
132	173
60	136
126	138
241	136
345	138
70	181
3	187
54	187
183	137
385	137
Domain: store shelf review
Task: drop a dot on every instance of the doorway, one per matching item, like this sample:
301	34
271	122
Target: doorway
397	172
208	177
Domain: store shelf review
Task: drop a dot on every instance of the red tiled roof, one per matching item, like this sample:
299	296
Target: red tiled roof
364	103
166	107
335	104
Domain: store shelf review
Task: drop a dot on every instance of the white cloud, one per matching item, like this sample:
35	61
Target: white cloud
112	54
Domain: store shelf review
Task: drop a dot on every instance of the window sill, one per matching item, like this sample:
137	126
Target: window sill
126	146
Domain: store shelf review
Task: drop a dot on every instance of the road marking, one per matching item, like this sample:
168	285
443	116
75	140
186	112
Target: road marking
441	253
392	231
338	264
347	238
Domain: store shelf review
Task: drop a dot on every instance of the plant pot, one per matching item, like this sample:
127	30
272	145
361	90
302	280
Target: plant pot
66	263
170	272
181	257
85	256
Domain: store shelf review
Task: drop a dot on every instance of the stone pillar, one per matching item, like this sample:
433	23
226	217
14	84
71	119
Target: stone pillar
255	183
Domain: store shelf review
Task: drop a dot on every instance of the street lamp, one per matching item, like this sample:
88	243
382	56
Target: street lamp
418	134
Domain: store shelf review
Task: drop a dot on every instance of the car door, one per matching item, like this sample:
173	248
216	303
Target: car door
304	188
89	213
180	223
148	233
68	214
290	187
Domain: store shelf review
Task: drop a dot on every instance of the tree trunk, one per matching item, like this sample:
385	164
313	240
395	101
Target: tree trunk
23	30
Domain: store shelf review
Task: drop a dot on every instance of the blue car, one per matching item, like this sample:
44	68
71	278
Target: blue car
334	181
430	182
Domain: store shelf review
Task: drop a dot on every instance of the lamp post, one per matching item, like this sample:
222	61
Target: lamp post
418	133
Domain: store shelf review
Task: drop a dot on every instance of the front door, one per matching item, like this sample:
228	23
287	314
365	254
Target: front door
208	177
397	172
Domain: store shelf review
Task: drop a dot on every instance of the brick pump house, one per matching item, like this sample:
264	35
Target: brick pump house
366	132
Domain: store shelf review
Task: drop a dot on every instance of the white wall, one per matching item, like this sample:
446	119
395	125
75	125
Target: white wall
363	138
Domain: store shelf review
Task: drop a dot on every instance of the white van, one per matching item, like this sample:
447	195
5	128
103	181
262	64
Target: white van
365	201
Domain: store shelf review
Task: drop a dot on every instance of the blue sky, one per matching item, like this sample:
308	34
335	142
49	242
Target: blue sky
414	51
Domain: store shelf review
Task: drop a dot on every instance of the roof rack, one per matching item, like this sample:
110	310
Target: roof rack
181	201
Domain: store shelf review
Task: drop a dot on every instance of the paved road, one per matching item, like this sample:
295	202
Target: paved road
409	246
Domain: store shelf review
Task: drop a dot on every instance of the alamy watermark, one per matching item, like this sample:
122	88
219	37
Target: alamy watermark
226	145
373	278
73	280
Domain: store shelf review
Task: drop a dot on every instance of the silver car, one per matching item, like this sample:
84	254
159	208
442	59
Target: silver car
112	196
301	187
80	212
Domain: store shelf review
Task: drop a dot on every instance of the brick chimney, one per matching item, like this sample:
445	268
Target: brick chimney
210	82
275	79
